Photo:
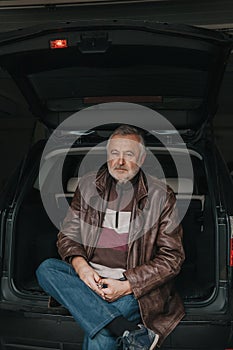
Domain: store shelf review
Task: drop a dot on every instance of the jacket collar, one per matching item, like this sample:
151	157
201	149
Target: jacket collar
103	182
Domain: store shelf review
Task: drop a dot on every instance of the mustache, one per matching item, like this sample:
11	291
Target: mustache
119	167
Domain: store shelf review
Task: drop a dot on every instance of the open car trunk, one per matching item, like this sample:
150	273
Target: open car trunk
175	70
35	235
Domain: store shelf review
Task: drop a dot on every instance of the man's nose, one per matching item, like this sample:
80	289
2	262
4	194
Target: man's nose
121	160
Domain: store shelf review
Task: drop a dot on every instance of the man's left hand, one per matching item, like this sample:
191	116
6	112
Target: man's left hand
115	289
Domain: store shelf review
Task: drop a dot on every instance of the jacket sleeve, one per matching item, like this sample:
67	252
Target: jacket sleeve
169	253
69	238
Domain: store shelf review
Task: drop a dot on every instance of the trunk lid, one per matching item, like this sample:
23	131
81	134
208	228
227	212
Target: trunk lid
174	69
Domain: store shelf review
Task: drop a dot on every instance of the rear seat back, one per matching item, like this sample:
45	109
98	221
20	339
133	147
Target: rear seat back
63	200
183	189
72	184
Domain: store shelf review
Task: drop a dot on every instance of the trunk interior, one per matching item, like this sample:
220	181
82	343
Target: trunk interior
35	234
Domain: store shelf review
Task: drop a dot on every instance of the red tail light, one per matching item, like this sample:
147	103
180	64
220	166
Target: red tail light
58	44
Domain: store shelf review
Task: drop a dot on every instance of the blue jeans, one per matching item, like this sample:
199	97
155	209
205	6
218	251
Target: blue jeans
60	280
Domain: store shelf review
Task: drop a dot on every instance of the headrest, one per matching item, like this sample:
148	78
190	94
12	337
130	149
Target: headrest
185	185
72	184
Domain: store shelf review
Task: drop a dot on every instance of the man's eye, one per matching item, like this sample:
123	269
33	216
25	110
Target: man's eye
129	154
114	153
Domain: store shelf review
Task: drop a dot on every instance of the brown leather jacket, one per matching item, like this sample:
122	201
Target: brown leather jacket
155	252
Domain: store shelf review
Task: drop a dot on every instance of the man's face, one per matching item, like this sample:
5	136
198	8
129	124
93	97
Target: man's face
125	156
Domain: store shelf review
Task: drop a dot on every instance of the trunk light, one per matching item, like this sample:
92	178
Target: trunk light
58	44
231	242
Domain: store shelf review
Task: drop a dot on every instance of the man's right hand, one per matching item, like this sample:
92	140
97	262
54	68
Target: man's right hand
87	274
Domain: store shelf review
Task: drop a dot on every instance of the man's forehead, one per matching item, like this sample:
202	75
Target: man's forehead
131	140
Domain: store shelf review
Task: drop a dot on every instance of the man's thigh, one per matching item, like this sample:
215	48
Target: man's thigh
128	307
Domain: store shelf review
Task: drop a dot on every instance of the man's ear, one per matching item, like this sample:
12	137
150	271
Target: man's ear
142	158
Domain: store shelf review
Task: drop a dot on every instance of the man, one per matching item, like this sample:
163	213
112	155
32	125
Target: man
121	247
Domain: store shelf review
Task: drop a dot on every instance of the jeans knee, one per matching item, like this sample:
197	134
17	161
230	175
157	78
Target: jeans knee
44	269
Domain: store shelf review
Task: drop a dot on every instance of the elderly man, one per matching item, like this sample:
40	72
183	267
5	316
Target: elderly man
121	247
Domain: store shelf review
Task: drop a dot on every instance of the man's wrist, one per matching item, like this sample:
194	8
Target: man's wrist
70	258
79	263
76	258
128	288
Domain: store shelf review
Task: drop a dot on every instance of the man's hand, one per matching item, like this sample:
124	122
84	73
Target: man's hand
115	289
87	274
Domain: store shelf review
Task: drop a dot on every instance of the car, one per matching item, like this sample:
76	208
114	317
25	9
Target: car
81	80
